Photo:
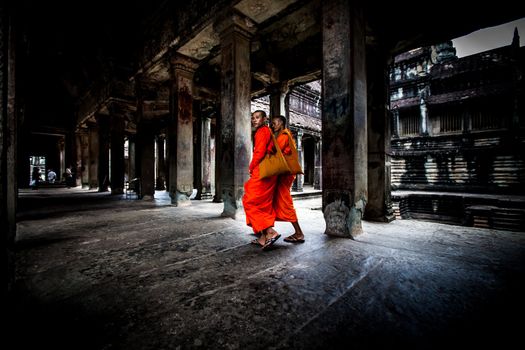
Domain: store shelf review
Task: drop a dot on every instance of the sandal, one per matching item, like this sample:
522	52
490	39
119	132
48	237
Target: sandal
269	242
256	242
293	239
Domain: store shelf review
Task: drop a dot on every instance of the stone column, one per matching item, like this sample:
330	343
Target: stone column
518	111
144	160
79	164
318	172
94	150
84	156
344	117
103	155
204	149
297	185
278	94
8	143
60	148
117	155
144	147
132	155
217	196
287	109
206	157
180	130
395	122
161	164
423	92
70	156
197	148
234	137
379	205
167	162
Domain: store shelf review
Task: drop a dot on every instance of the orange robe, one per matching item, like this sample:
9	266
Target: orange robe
282	201
259	193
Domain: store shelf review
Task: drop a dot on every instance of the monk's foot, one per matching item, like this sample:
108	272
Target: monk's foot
295	238
259	241
298	235
271	233
271	237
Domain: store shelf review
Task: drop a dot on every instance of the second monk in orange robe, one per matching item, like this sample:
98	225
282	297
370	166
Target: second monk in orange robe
282	202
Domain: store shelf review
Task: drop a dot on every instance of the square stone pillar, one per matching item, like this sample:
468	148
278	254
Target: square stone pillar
145	159
161	164
180	130
206	157
379	205
197	149
278	96
395	122
79	165
297	185
70	154
117	155
84	156
217	195
167	162
60	149
235	128
103	155
344	153
318	172
8	143
203	168
423	91
94	150
132	156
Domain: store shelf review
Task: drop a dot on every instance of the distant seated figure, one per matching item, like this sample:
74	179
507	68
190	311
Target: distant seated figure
51	176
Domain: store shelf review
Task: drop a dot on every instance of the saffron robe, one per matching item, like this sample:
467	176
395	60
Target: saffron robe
282	201
258	193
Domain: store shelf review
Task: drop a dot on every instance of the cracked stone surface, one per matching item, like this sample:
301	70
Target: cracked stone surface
99	272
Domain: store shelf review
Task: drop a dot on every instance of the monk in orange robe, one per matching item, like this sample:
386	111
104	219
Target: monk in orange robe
259	193
282	202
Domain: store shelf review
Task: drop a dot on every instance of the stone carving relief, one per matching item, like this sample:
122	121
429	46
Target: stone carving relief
336	215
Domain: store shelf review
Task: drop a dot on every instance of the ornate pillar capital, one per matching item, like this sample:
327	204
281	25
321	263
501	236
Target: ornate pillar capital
181	64
235	22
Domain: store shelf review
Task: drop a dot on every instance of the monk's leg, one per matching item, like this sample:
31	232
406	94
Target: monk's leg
298	234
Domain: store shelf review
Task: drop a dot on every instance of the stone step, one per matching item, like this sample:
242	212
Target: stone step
305	195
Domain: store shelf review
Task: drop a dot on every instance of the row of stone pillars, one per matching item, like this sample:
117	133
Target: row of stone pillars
345	162
106	138
280	105
355	155
354	164
93	147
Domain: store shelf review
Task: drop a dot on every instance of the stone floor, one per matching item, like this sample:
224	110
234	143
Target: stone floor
101	272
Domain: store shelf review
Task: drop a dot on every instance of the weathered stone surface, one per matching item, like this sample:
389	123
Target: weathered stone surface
147	275
234	140
344	117
181	130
